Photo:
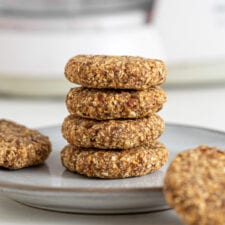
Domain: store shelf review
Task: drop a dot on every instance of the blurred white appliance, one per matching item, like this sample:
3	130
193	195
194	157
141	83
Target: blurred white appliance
38	37
193	36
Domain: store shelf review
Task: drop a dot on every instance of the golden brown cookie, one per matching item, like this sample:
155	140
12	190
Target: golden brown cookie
115	163
103	104
195	186
111	134
118	72
21	147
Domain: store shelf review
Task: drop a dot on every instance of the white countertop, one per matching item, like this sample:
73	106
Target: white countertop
200	106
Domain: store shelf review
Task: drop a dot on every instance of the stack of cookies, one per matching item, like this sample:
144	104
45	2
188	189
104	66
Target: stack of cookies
113	126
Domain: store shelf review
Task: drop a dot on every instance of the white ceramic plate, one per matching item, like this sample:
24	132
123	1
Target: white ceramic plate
52	187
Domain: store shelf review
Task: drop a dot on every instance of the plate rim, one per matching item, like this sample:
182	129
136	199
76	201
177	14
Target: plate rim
27	187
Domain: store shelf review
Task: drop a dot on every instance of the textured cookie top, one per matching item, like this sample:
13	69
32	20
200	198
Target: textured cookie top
195	186
103	104
111	134
21	147
115	163
118	72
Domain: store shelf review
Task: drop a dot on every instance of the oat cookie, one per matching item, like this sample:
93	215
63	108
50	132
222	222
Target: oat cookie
195	186
21	147
111	134
123	72
115	163
114	104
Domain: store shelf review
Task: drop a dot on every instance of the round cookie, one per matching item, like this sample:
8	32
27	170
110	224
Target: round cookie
111	134
115	163
118	72
21	147
194	186
103	104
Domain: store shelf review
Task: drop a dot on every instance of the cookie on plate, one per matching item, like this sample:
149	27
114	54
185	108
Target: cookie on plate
134	162
118	72
112	134
194	186
21	147
103	104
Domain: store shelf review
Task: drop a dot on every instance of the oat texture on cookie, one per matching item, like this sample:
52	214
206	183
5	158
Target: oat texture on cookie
194	185
111	163
112	134
112	129
105	104
117	72
21	147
